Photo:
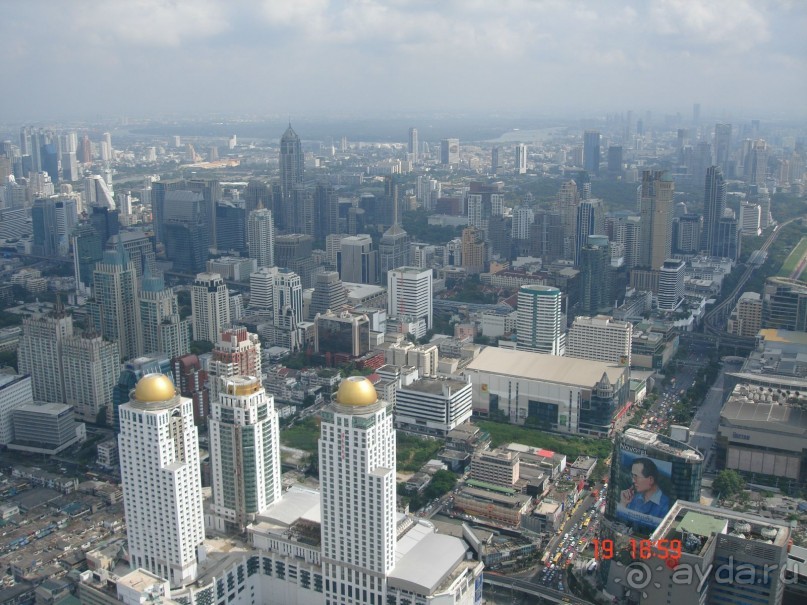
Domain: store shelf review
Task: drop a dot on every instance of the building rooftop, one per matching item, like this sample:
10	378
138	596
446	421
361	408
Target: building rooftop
662	443
763	408
547	368
423	558
701	525
514	500
435	386
695	525
297	503
783	336
52	409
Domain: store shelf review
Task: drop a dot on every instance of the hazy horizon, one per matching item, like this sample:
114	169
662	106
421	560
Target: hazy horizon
89	58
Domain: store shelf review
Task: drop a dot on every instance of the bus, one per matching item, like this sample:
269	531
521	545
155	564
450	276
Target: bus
586	522
557	558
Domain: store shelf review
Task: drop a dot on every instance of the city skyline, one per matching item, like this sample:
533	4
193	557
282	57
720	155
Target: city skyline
109	58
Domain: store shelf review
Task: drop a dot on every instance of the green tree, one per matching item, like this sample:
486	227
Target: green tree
728	483
8	358
442	482
200	347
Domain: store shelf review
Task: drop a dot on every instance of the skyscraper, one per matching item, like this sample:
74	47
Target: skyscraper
97	193
541	324
15	391
287	300
291	177
590	221
714	203
293	251
670	284
210	190
329	293
357	261
474	250
261	284
192	382
450	152
521	158
162	488
523	218
615	160
40	353
43	220
566	205
245	452
688	237
757	168
409	295
131	372
261	237
185	230
595	273
163	330
210	306
591	152
357	475
656	210
494	160
413	144
91	365
114	308
728	242
722	146
231	228
237	352
393	250
326	205
484	200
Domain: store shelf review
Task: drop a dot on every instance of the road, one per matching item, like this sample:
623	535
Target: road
704	425
714	319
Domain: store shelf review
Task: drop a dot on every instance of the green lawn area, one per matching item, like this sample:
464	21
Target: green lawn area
792	261
414	452
302	436
501	433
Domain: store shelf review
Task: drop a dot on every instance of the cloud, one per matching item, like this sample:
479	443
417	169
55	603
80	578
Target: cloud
721	24
314	55
151	23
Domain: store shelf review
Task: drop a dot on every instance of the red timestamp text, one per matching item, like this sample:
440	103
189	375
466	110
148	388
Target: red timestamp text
639	549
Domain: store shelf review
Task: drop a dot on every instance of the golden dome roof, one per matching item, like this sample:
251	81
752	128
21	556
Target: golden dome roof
242	385
154	387
356	390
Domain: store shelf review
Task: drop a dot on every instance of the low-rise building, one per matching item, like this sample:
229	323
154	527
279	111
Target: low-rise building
546	517
764	432
48	428
493	502
432	406
582	467
562	394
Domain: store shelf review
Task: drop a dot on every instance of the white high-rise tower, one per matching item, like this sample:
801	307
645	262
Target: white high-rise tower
357	475
237	353
521	158
245	452
162	487
541	323
409	295
261	237
210	306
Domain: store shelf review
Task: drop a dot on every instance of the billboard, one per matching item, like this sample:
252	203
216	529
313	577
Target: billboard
645	490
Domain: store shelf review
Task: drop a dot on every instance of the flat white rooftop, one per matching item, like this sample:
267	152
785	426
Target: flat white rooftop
543	367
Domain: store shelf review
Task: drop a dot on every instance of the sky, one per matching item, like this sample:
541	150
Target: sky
185	58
